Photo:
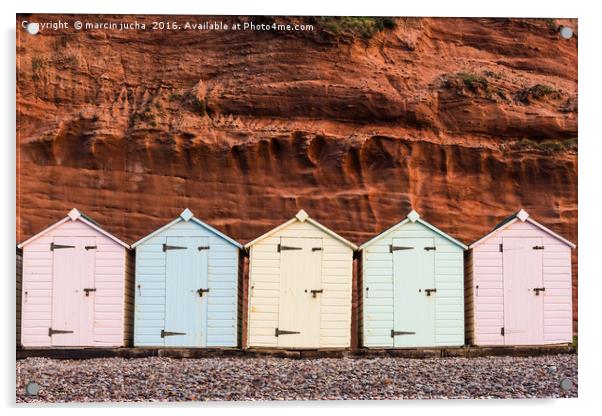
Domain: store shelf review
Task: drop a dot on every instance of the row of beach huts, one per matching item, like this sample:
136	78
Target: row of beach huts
182	286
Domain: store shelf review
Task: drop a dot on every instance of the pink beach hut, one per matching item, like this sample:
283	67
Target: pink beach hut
518	288
76	285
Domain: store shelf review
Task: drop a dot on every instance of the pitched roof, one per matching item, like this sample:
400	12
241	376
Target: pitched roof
413	217
522	216
186	216
75	215
302	216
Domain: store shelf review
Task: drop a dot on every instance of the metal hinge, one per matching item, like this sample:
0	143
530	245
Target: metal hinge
57	246
167	247
429	291
314	292
282	247
90	247
393	248
316	249
89	289
430	248
201	291
165	333
501	248
52	332
537	247
395	333
279	332
201	248
538	289
502	332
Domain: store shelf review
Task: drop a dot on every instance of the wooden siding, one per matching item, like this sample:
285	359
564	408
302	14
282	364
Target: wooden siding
488	275
264	287
109	273
377	288
223	276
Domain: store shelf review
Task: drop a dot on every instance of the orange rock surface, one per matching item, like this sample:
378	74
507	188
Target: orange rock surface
464	120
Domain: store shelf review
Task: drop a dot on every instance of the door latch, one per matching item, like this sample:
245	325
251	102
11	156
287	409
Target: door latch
429	291
538	247
430	248
89	289
279	332
538	289
201	248
201	291
395	333
165	333
52	332
90	247
314	292
57	246
168	247
316	249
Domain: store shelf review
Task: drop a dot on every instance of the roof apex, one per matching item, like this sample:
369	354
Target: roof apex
302	215
74	214
413	216
186	215
522	215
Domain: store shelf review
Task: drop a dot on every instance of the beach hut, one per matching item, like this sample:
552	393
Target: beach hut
75	286
518	286
300	287
186	289
412	282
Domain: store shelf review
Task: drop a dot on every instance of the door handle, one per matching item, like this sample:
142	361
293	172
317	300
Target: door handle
89	289
201	291
429	291
314	292
538	289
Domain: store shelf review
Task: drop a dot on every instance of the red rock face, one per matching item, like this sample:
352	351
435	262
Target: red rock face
464	120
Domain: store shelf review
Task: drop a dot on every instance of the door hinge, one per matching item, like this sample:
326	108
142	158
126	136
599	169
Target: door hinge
279	332
393	248
89	289
429	291
537	247
57	246
501	248
283	247
90	247
201	291
395	333
52	332
316	249
538	289
165	333
201	248
314	292
502	332
167	247
430	248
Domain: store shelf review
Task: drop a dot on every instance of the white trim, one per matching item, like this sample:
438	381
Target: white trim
194	219
74	215
416	218
527	219
310	221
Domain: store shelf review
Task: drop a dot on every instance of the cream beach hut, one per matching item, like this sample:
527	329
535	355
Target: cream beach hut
300	287
76	286
412	281
518	289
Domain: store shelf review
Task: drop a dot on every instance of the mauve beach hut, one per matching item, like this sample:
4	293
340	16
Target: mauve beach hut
518	286
412	282
75	286
187	286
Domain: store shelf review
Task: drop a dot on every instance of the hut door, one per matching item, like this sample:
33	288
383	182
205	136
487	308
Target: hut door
523	306
73	261
186	292
414	300
300	293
